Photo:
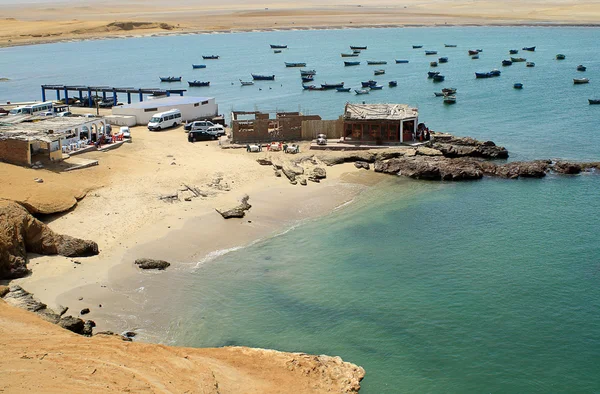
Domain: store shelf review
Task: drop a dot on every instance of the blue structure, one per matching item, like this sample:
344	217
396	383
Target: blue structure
104	90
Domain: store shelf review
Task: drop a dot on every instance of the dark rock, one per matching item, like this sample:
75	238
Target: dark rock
318	173
237	212
129	334
468	147
278	173
151	264
431	168
303	182
84	311
532	169
88	328
4	291
62	310
23	299
112	334
264	161
565	167
292	171
362	164
71	323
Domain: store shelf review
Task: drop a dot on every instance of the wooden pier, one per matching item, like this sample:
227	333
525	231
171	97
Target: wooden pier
106	90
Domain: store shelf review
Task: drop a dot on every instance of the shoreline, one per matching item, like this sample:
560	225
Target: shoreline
141	34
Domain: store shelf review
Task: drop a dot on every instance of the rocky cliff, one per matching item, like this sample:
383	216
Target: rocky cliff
21	233
40	357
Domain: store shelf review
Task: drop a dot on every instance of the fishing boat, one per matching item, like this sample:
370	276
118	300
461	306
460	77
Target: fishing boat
430	53
332	85
438	78
581	68
376	87
356	52
560	56
449	99
417	46
349	54
513	51
170	79
368	84
530	64
530	49
308	72
379	72
400	61
475	57
359	48
295	64
277	51
438	94
351	63
248	83
579	81
443	60
361	91
483	75
433	64
374	62
311	87
495	73
198	65
473	51
198	83
506	62
308	78
392	84
517	59
450	45
275	46
431	74
211	57
594	101
449	91
518	85
258	77
342	89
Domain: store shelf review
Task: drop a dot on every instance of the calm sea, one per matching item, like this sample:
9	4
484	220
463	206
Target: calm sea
489	286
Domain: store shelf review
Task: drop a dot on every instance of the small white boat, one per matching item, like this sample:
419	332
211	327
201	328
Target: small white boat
579	81
361	91
449	99
246	83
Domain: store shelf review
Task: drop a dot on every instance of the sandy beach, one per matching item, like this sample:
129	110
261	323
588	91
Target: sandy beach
59	21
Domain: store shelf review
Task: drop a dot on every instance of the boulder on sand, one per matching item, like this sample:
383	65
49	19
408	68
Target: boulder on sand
237	212
151	264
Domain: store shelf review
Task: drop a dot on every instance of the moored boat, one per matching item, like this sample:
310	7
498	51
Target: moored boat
560	56
579	81
483	75
332	85
198	65
399	61
349	54
356	51
258	77
581	68
342	89
449	99
474	57
376	87
312	87
277	51
212	57
594	101
417	46
431	74
351	63
379	72
295	64
495	73
530	49
308	78
530	64
368	84
430	52
438	78
518	85
438	94
275	46
170	79
449	90
392	84
375	62
308	72
198	83
513	51
443	60
433	64
450	45
506	62
246	83
361	91
517	59
473	52
359	48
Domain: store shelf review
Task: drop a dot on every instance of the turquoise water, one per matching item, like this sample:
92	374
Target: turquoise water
489	286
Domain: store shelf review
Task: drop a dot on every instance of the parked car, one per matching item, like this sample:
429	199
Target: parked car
125	131
200	135
217	130
163	120
50	113
200	125
64	114
89	116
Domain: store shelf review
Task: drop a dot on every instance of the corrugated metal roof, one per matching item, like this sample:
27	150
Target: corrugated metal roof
171	101
379	111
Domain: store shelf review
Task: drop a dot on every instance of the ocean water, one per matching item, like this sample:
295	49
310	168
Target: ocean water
487	286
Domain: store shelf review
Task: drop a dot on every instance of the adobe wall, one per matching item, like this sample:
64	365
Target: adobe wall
15	152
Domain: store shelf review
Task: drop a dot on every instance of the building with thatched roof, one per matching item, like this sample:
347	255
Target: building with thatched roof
380	123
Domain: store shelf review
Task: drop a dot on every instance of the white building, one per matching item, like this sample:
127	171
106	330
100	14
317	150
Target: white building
191	108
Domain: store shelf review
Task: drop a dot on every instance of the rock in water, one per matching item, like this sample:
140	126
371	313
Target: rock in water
237	212
150	264
21	233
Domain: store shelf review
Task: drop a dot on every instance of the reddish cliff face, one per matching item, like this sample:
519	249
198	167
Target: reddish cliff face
37	356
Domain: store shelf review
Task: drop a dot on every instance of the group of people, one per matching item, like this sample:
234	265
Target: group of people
423	133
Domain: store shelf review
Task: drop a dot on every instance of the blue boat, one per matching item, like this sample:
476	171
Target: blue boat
374	62
443	60
368	84
308	72
212	57
513	51
438	78
393	84
530	49
198	65
308	78
295	64
483	75
258	77
507	62
495	73
351	63
399	61
431	74
376	87
518	85
430	52
332	85
170	79
417	46
361	91
274	46
358	47
198	83
342	89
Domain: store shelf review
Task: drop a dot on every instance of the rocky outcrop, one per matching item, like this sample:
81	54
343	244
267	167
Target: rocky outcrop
61	362
150	264
565	167
317	174
453	147
520	169
362	164
237	212
428	168
21	233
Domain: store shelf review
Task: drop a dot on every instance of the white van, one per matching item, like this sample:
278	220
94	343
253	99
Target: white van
163	120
